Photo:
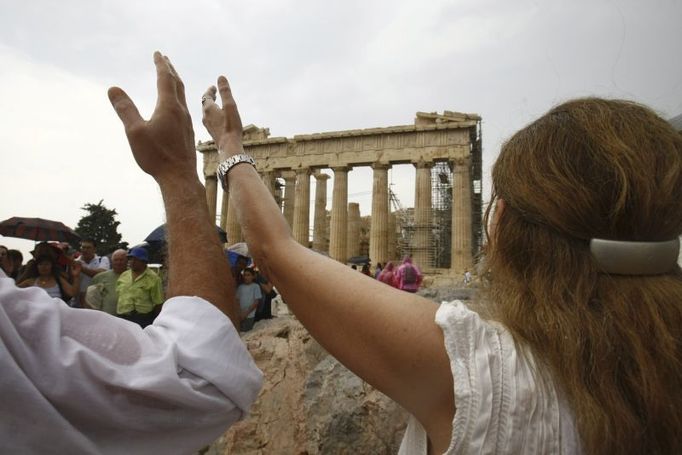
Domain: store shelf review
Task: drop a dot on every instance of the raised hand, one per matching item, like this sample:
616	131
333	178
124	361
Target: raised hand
76	268
223	124
163	146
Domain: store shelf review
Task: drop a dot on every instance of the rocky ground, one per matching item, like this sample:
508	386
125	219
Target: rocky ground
310	403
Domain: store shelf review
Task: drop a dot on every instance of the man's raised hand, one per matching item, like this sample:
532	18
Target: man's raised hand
163	146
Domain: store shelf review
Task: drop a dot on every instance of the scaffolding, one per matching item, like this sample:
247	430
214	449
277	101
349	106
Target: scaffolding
404	225
441	209
441	215
441	219
475	141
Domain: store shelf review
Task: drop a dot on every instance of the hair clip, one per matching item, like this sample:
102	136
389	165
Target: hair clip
635	258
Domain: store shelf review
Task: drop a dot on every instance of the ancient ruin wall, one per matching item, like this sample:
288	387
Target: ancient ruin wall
452	138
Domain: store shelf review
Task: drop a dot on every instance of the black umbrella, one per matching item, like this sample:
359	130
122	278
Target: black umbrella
38	229
359	260
158	235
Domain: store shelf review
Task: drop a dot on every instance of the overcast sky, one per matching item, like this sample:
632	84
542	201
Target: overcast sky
301	67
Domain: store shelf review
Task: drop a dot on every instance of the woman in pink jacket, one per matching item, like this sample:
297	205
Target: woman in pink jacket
408	277
387	275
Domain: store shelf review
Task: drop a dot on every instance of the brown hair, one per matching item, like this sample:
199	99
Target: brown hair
593	168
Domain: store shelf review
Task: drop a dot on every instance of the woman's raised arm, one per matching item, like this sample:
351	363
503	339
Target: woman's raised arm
387	337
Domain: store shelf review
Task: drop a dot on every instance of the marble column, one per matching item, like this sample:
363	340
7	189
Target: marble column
301	228
378	231
269	181
210	163
279	194
223	210
233	229
353	238
320	241
392	238
339	221
289	196
211	195
461	217
421	242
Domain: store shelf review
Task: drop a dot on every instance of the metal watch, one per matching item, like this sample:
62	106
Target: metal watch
225	166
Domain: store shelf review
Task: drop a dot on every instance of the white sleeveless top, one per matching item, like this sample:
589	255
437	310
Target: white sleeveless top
502	407
54	291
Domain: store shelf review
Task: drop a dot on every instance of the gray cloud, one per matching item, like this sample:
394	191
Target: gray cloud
305	66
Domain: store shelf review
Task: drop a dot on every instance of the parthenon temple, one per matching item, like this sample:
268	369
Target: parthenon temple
443	230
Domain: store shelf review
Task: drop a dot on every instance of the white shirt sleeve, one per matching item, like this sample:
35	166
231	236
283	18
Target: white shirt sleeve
94	383
104	263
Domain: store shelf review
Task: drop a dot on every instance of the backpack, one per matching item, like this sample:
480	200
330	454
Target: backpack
409	274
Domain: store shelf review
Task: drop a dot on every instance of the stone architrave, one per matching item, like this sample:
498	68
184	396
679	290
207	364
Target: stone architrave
289	196
223	210
320	241
422	248
212	196
233	229
461	217
301	228
339	222
378	234
353	241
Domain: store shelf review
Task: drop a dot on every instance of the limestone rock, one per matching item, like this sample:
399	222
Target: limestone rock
447	294
310	404
346	415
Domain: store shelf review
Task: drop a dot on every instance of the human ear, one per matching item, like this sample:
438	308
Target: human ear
500	206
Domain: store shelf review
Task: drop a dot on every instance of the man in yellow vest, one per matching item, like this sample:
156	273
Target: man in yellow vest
139	289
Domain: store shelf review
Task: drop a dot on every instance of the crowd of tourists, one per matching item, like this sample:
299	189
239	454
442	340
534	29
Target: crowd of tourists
406	276
122	286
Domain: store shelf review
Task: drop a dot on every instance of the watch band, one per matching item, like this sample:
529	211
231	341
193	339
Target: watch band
225	166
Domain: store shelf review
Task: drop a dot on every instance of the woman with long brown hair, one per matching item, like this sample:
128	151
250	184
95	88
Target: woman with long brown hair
578	349
607	330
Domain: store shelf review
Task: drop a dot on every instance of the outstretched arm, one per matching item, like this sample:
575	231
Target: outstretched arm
387	337
163	147
71	289
91	272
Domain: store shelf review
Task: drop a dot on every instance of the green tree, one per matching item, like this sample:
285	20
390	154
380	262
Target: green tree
100	224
